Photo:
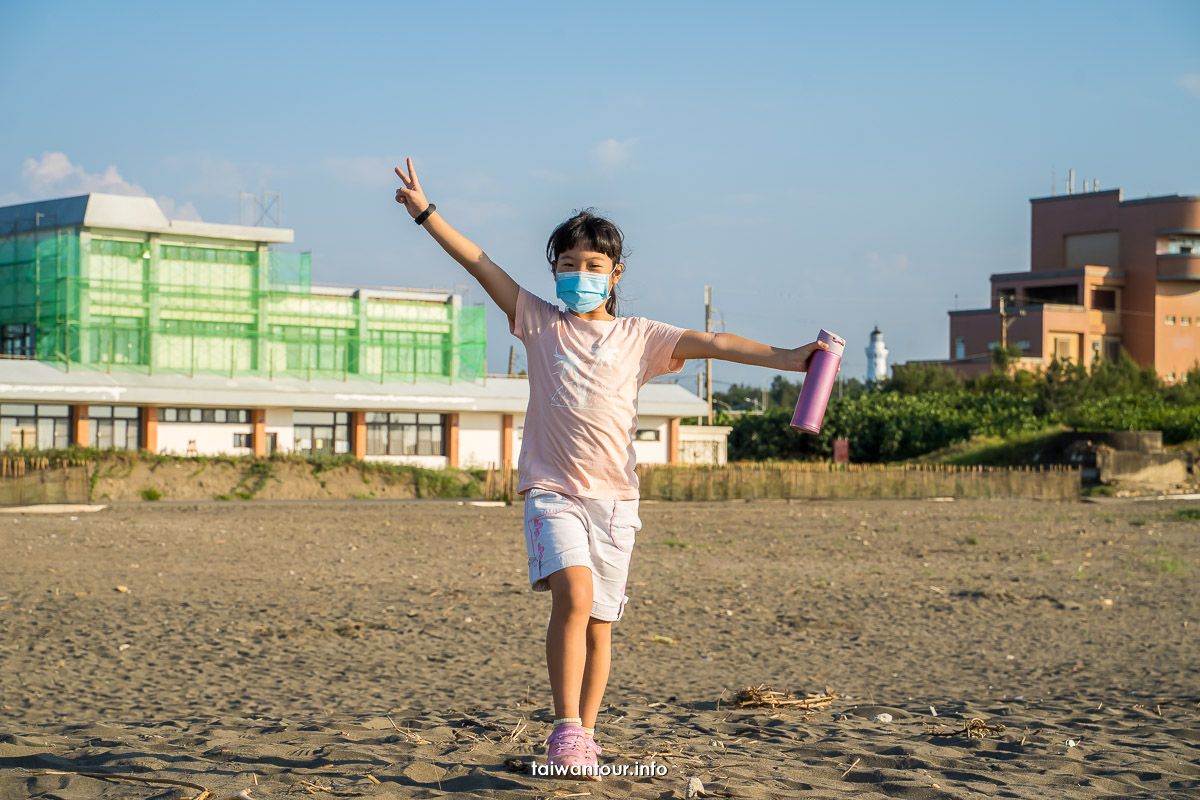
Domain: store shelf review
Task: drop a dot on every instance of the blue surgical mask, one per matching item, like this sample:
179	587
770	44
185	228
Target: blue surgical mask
582	291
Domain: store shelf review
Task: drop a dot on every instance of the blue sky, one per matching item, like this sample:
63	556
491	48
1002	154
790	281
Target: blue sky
819	165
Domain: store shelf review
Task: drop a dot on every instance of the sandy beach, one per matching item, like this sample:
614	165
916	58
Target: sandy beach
393	649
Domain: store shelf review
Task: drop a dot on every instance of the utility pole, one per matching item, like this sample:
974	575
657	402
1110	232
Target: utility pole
511	355
1005	321
708	361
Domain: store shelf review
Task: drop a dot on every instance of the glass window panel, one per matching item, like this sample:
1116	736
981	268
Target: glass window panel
437	440
45	433
406	418
170	414
62	433
424	441
120	433
432	419
17	410
396	440
220	414
54	411
376	440
375	416
342	417
193	413
410	440
100	411
94	434
243	415
208	415
125	412
341	433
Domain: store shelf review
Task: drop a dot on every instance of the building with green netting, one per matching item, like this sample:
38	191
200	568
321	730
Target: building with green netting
122	328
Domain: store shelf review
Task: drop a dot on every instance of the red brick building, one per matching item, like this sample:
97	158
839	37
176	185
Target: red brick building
1105	274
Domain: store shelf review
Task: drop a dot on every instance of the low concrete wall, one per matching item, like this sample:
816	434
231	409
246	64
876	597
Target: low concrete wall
1158	471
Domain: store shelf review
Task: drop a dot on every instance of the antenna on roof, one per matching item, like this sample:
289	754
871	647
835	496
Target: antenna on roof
256	209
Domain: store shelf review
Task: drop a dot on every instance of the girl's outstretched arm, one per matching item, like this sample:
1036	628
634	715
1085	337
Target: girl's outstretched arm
495	281
727	347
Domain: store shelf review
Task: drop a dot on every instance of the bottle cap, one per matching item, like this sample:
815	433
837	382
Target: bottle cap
836	343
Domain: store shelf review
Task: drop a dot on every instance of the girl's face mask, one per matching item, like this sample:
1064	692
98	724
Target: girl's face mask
582	291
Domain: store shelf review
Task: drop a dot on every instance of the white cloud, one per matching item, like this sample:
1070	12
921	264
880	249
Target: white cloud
613	153
53	175
1191	83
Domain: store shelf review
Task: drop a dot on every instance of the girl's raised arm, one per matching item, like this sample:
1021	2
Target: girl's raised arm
495	281
726	346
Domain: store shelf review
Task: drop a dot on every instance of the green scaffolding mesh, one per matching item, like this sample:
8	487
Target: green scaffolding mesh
106	303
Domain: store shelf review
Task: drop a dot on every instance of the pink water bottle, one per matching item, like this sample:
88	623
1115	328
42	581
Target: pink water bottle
818	383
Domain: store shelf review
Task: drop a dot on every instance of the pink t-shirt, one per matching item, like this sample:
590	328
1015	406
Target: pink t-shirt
584	378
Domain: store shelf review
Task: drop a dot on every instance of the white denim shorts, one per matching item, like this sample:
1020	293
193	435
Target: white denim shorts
565	531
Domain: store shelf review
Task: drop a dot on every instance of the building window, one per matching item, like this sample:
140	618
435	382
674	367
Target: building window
1170	377
1024	344
1112	349
1170	319
960	347
404	434
242	440
647	435
1062	348
26	426
113	427
1104	299
321	432
1185	320
18	340
203	415
1183	245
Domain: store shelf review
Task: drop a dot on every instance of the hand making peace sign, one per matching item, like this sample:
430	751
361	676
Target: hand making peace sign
410	195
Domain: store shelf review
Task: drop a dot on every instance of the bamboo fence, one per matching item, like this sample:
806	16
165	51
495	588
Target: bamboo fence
29	481
823	480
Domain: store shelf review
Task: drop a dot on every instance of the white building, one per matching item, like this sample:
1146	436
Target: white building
877	353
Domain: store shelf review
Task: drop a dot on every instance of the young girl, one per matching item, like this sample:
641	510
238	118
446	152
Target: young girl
576	468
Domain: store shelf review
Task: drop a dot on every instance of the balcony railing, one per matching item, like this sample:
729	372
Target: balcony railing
1179	267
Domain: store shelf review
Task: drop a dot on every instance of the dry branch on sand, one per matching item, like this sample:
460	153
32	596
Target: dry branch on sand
763	696
975	728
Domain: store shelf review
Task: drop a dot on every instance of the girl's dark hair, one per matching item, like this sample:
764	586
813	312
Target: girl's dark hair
590	231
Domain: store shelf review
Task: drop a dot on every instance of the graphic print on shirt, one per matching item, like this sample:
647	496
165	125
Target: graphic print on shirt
582	384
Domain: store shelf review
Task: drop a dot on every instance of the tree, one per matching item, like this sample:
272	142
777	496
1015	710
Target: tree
922	378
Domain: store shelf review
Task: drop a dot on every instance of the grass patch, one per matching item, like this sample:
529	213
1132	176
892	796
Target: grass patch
1186	514
997	451
1100	490
150	494
676	543
969	540
1042	557
1166	562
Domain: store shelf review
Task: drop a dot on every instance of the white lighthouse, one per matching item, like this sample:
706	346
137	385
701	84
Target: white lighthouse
876	358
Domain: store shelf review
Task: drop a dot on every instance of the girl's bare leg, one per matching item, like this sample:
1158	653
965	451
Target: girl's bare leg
567	638
595	671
